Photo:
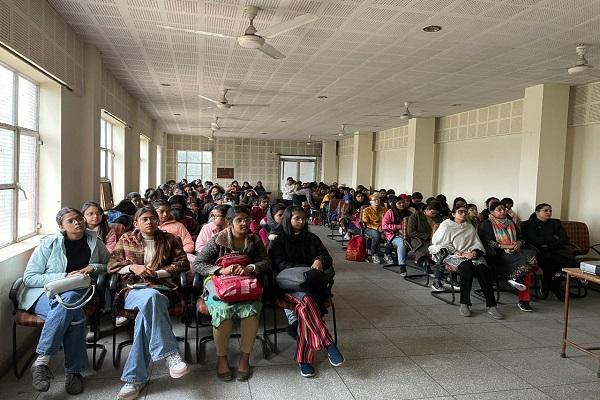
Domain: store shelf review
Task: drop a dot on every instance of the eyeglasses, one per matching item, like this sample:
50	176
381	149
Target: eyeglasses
242	220
71	221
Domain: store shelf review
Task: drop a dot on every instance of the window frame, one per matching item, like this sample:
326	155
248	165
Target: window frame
109	152
202	177
144	162
17	132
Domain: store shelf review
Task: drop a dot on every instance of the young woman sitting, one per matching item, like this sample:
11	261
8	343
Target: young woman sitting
259	188
216	223
73	251
167	223
296	247
151	257
272	220
259	212
421	226
394	226
372	217
504	248
235	239
96	221
466	251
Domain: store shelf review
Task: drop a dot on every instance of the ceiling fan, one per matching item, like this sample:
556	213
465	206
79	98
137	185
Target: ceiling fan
406	114
223	103
211	137
342	131
581	65
253	39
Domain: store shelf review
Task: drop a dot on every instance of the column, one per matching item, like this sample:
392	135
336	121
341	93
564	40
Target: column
543	145
329	162
132	148
420	156
362	159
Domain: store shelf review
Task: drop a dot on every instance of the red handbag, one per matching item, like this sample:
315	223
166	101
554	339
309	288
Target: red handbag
235	288
356	249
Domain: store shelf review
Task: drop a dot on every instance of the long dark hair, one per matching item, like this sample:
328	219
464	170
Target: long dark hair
103	227
286	220
161	245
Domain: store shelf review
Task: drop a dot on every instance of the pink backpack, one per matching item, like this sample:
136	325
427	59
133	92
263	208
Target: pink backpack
235	288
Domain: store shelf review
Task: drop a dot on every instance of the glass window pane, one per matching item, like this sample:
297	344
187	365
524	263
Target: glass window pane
194	169
109	135
181	171
158	164
307	171
102	133
194	156
102	164
7	152
289	168
27	179
181	156
7	84
206	172
6	216
27	104
207	157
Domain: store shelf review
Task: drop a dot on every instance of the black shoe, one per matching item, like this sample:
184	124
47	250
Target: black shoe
292	330
402	270
524	306
74	383
41	376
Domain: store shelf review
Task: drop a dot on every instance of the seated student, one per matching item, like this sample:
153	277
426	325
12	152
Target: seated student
246	186
445	210
417	201
73	251
259	188
372	217
236	238
136	199
508	203
331	194
271	222
349	217
473	215
360	199
394	226
249	198
550	239
216	223
96	221
296	246
505	251
122	214
421	226
167	223
234	187
148	255
258	213
181	213
485	213
466	253
459	201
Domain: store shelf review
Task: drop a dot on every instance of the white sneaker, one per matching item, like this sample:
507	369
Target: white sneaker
177	367
121	321
130	391
341	230
375	259
517	285
347	236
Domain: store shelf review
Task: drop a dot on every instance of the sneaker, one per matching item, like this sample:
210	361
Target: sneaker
437	286
74	383
292	330
177	367
524	306
335	357
41	376
517	285
402	270
90	336
387	259
464	310
121	321
449	286
493	311
130	391
347	236
341	230
375	259
306	370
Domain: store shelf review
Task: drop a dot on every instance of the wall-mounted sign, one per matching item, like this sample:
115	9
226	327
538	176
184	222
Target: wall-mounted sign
224	173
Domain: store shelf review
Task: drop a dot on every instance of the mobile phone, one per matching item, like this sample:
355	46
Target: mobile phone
139	285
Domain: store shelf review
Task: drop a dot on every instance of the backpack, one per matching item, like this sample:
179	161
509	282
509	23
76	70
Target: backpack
356	249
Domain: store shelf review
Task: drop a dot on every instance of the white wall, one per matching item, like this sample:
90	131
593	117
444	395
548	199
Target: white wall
345	170
480	168
389	169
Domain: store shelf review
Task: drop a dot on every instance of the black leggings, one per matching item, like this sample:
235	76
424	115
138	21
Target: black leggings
485	276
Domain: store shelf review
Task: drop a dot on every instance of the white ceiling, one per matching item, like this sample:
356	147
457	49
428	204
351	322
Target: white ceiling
368	57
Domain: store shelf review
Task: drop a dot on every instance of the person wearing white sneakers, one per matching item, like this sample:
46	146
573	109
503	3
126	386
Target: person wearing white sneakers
147	258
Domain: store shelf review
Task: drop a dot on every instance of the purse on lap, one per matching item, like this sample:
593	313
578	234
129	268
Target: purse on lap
77	282
235	288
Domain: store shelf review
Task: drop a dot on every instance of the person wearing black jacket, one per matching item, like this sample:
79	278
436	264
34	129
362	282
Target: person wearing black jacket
296	247
550	239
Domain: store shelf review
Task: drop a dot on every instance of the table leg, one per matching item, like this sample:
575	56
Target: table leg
566	316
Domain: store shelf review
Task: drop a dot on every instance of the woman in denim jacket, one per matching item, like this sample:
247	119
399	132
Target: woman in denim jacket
75	250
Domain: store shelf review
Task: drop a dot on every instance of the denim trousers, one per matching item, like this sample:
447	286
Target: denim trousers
153	337
398	243
373	236
63	327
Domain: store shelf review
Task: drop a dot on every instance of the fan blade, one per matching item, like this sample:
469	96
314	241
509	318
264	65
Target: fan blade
271	51
196	32
288	25
209	99
250	105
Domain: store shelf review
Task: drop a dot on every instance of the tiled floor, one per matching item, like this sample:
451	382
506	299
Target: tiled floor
400	343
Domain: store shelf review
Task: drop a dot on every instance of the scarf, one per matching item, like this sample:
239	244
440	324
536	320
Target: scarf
504	230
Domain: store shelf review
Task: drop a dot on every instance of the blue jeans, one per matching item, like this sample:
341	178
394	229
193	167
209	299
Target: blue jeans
373	237
398	243
153	337
63	327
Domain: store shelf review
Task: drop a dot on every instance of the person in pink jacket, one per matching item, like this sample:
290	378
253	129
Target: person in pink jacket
216	224
394	227
168	224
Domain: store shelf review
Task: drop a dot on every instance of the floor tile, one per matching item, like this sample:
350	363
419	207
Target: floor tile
580	391
523	394
491	336
366	343
548	332
426	340
390	317
196	386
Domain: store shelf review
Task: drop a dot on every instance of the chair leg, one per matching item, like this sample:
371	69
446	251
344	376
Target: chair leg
97	360
114	341
19	372
439	295
335	334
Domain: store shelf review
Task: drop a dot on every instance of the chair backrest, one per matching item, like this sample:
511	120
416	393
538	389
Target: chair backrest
578	234
333	205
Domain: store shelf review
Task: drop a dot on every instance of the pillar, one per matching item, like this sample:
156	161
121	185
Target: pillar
420	156
362	159
329	162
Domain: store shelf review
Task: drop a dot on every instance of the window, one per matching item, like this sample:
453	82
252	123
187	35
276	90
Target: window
158	165
18	156
107	153
298	167
144	162
194	165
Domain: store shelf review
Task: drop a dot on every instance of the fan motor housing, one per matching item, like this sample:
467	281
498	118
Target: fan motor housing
251	41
